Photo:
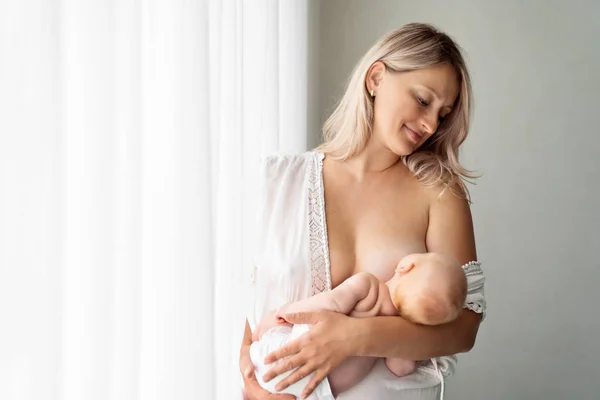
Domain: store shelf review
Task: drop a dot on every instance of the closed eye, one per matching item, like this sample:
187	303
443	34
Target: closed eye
425	104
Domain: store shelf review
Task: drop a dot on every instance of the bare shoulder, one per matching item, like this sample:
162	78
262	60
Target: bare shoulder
450	227
452	197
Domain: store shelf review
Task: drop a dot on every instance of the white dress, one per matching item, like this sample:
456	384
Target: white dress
291	262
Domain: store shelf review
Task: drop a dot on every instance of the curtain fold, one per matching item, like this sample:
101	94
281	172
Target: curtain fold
130	138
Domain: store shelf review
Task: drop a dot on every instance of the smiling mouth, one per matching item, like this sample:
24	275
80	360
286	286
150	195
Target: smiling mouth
413	135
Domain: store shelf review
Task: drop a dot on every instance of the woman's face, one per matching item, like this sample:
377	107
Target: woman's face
410	106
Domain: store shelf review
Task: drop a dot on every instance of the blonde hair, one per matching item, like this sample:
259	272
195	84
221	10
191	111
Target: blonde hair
408	48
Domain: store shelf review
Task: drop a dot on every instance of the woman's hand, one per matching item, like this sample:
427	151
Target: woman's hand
326	345
252	389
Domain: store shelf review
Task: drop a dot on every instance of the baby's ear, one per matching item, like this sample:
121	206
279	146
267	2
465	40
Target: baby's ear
405	266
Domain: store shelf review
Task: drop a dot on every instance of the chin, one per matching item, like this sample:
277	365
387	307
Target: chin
401	146
402	149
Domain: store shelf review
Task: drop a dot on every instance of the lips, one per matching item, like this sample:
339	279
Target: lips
413	135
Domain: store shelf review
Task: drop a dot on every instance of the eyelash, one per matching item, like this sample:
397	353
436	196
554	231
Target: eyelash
425	104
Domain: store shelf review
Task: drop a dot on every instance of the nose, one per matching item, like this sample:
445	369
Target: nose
429	122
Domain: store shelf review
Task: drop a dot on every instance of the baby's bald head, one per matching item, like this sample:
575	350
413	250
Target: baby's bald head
433	289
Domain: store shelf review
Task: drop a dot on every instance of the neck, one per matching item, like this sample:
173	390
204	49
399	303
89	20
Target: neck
373	159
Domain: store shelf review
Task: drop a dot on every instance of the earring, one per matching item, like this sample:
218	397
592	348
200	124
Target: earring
372	93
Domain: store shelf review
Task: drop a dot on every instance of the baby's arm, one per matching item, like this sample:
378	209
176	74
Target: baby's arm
361	295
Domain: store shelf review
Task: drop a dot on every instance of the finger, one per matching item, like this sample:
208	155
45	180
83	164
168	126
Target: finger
302	318
246	365
286	365
281	397
314	382
245	395
285	351
247	369
295	377
252	389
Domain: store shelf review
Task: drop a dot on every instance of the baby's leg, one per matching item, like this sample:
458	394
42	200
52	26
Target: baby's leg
372	299
379	303
268	321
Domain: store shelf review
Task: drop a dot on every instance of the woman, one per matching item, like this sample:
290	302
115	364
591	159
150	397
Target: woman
385	183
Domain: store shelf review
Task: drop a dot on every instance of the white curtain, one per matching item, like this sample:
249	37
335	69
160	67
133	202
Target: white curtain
130	135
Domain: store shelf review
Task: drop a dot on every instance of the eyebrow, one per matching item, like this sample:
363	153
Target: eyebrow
449	106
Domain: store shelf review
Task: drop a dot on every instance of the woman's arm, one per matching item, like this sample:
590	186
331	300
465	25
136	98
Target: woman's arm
397	337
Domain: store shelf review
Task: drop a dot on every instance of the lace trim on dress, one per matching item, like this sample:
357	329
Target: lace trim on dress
474	275
319	246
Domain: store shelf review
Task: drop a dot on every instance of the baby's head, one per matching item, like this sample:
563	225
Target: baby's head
429	288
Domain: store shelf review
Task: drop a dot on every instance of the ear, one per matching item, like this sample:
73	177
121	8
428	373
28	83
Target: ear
374	76
405	266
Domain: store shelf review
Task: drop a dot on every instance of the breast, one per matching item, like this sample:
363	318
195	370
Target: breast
373	224
377	240
382	262
378	254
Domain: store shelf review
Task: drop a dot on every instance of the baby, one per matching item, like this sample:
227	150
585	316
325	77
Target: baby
428	289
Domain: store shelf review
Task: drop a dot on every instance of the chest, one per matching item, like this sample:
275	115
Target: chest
372	225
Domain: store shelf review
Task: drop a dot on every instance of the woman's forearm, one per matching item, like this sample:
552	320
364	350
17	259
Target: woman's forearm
398	337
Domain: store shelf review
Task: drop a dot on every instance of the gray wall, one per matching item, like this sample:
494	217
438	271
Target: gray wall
535	139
